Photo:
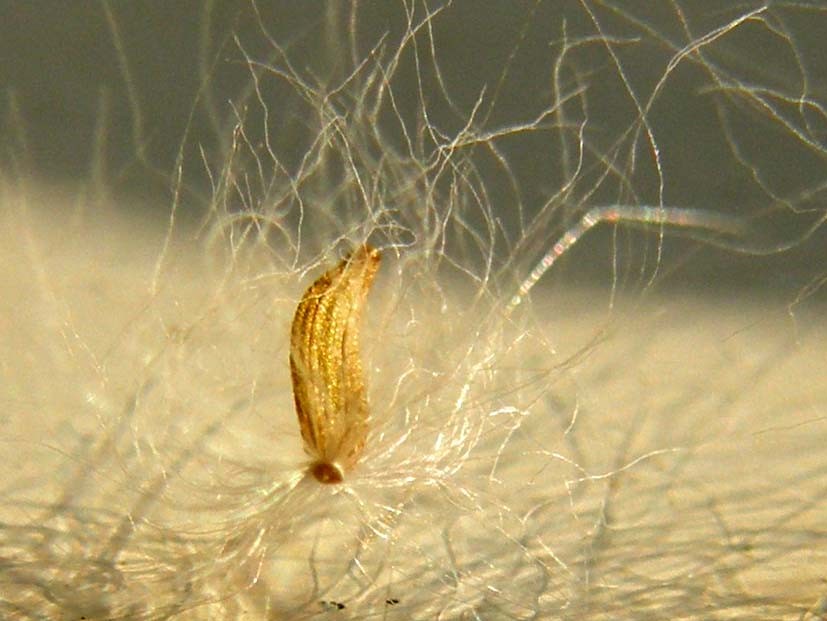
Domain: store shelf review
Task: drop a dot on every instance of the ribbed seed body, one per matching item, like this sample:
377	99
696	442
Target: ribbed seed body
328	384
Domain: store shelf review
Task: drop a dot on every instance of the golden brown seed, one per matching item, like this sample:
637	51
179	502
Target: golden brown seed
328	385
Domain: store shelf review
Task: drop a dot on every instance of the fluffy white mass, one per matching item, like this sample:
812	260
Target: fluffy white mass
641	437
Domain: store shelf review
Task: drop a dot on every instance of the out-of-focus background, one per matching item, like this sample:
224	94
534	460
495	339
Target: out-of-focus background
111	91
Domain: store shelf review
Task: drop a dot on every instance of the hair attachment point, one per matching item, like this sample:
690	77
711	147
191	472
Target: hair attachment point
328	473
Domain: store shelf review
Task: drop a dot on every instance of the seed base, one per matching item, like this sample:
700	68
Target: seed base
325	472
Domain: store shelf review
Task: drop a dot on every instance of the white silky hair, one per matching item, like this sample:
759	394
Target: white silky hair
636	432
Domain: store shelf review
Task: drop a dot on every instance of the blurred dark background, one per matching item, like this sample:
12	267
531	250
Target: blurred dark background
114	92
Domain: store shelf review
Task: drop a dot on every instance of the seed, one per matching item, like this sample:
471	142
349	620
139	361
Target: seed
328	384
